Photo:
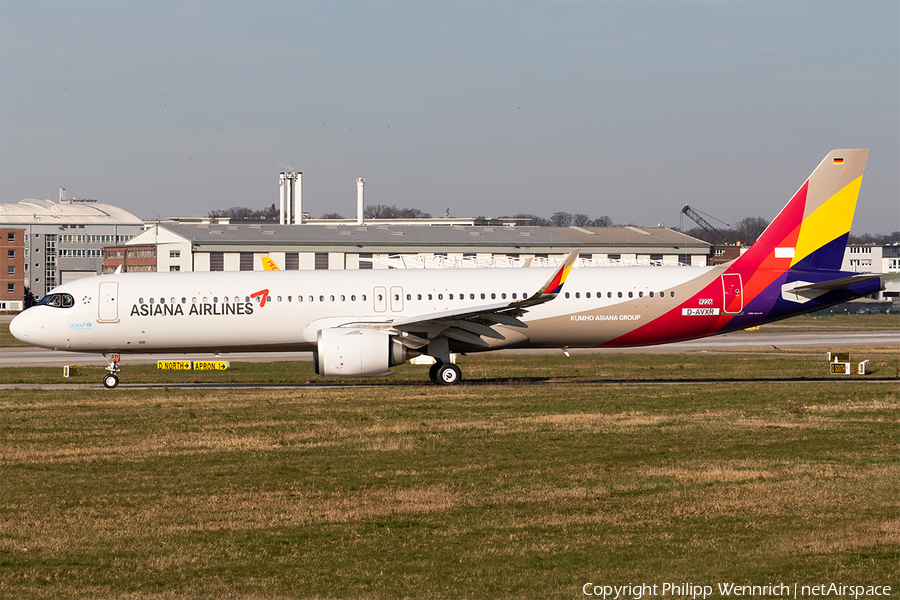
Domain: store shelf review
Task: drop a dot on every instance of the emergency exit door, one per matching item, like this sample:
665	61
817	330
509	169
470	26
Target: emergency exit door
108	302
732	293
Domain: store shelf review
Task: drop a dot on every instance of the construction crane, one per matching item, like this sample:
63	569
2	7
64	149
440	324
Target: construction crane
705	225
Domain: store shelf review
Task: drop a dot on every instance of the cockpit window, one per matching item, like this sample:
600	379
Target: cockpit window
57	300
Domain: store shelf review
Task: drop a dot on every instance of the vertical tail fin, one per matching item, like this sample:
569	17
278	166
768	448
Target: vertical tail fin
811	231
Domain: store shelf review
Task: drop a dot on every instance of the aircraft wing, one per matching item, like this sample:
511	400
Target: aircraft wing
470	324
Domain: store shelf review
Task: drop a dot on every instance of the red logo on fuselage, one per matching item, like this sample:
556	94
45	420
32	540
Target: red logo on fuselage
264	293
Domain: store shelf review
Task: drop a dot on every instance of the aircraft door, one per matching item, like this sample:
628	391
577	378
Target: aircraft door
108	302
379	296
396	298
733	293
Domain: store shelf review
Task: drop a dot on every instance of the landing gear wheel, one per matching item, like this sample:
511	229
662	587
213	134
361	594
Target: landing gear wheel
448	374
433	371
110	381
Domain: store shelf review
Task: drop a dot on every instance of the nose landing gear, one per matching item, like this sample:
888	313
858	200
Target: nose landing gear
111	379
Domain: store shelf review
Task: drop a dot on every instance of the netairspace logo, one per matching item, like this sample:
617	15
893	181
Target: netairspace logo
726	590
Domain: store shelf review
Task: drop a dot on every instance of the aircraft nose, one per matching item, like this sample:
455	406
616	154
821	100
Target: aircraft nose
18	327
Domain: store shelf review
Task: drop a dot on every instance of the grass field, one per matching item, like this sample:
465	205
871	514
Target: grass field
491	491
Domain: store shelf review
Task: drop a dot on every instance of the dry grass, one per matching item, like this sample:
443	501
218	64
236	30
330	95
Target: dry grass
485	492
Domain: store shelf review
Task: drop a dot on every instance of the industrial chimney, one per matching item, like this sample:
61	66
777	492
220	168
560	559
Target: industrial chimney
289	206
360	187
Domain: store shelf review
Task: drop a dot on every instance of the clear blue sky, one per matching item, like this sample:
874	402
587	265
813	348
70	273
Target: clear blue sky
626	109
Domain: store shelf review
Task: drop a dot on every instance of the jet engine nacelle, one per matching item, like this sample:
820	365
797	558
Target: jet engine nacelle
345	352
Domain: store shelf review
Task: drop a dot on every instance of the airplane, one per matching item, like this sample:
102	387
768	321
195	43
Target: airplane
361	323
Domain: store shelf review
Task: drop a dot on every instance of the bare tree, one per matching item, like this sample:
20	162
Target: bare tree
332	216
751	228
603	221
561	219
581	220
242	212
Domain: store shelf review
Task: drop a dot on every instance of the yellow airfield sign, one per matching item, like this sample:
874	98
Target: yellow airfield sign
210	365
196	365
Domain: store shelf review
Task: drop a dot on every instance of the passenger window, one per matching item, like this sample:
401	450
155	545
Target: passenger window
451	296
567	294
409	296
620	294
289	298
363	297
343	298
299	298
651	294
162	300
151	300
503	296
640	294
440	296
278	298
482	296
514	296
672	294
140	300
331	298
429	296
312	298
353	298
183	300
321	298
587	295
631	294
419	296
493	296
471	296
578	294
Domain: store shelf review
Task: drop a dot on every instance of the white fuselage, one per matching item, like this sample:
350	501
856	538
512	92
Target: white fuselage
221	312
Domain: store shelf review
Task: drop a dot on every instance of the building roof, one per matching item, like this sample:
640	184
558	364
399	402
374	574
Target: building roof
394	237
35	212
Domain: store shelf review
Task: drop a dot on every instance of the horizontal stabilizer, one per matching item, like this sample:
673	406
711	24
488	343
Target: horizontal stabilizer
835	284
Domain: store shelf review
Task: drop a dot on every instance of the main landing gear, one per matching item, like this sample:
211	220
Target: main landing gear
111	379
445	373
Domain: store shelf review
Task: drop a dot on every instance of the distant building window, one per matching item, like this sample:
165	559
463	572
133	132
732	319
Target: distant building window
216	261
656	257
321	261
11	236
292	261
174	253
367	263
11	288
614	256
10	254
246	261
10	270
174	268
